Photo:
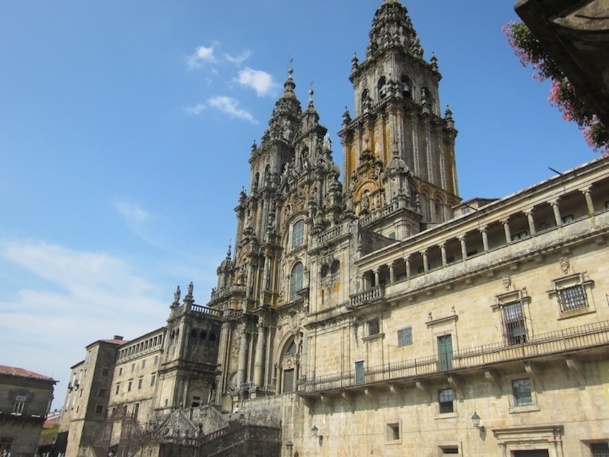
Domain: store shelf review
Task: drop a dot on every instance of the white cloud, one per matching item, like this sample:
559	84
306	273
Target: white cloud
238	60
231	107
197	109
261	81
201	56
70	299
132	213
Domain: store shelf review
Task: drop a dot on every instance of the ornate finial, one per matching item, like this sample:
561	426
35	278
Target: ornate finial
228	253
354	61
254	146
346	116
448	117
311	92
176	297
434	61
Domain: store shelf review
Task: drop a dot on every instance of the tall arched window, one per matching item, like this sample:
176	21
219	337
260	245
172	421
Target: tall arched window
295	281
298	233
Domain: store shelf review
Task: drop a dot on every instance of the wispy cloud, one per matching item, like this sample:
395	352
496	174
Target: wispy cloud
227	105
72	299
239	59
197	109
132	213
201	56
231	107
261	81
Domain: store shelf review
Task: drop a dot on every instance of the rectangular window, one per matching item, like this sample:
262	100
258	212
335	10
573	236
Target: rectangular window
521	389
571	298
514	325
156	359
129	386
298	234
373	327
101	393
18	407
520	236
152	379
118	388
445	401
405	336
359	373
288	380
136	410
132	367
450	450
144	363
99	409
140	382
393	432
104	372
599	449
120	371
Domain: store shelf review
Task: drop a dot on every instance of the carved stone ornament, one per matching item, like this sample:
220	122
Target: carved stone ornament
564	265
507	282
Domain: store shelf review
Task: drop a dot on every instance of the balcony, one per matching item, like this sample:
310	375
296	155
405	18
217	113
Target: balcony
560	342
366	297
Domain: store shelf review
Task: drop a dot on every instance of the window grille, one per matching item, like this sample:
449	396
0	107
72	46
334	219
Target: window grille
521	389
600	449
514	325
571	298
405	336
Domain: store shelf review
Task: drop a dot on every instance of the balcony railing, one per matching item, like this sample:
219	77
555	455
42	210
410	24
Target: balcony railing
552	343
328	236
367	296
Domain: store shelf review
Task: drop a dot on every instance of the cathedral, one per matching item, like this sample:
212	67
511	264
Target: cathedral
368	310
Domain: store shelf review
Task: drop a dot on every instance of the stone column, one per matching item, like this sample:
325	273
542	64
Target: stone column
391	274
531	220
484	238
589	203
376	277
506	228
463	247
407	260
443	250
259	361
242	357
425	261
556	209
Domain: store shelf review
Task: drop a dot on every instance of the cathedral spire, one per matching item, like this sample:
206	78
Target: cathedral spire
391	27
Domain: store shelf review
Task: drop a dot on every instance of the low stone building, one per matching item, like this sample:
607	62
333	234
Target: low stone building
25	401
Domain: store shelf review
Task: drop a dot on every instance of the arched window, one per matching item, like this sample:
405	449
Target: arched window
382	87
298	233
295	281
406	87
335	267
364	100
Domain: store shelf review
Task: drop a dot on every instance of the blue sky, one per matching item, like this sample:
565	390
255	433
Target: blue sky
126	127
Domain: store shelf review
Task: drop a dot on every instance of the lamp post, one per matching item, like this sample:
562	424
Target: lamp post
476	421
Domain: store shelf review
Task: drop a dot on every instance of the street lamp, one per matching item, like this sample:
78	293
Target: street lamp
476	422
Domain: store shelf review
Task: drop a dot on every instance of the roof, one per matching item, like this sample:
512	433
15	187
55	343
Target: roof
22	372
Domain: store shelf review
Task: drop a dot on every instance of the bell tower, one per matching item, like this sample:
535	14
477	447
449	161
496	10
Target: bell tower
398	149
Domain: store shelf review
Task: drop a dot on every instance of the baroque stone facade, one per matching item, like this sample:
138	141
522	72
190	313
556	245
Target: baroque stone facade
378	314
